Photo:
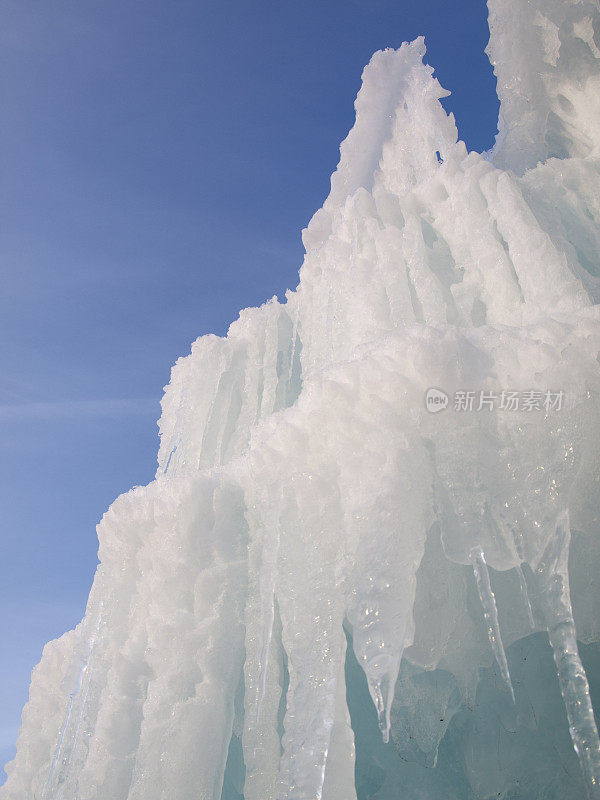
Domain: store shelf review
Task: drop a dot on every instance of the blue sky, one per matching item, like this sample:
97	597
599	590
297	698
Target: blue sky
159	161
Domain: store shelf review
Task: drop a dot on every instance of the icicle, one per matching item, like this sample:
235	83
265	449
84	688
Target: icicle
59	748
77	728
293	348
490	612
340	767
84	670
525	596
72	695
220	444
382	694
556	602
267	577
518	550
205	459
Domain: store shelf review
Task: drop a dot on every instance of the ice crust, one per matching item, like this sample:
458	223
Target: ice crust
327	591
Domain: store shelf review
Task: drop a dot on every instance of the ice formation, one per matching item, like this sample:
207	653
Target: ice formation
334	589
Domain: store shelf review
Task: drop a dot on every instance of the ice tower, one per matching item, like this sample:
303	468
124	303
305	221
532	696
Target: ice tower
368	566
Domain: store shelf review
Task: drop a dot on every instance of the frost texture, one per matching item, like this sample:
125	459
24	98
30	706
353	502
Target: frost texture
328	592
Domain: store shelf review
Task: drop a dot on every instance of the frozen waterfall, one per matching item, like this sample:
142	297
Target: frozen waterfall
368	564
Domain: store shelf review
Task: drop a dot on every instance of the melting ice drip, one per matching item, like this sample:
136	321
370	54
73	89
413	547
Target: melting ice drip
303	487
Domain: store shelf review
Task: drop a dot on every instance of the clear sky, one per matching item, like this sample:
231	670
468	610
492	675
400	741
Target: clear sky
159	160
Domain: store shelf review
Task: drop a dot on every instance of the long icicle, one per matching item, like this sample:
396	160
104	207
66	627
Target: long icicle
525	596
83	674
77	728
267	580
552	574
490	612
59	748
292	349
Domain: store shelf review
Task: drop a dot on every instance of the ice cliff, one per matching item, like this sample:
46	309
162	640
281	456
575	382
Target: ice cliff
368	564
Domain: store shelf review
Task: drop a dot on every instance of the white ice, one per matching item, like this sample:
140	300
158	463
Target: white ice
306	500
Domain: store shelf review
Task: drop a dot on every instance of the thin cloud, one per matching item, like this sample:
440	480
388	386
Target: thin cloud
68	409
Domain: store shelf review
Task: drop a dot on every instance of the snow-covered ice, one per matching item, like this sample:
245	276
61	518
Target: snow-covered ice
329	591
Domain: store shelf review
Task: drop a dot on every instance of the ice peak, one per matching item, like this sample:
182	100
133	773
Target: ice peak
400	136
